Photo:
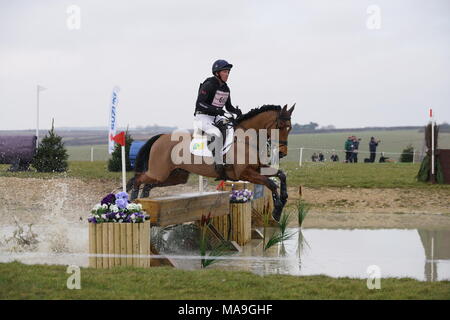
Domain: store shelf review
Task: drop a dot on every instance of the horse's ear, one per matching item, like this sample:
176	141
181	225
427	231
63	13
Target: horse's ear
291	109
284	108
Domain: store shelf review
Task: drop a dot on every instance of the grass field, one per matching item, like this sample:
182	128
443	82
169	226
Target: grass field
391	141
19	281
312	174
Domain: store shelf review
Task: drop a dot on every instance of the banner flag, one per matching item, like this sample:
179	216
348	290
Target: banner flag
113	118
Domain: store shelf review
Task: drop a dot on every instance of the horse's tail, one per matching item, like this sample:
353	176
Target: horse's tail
141	164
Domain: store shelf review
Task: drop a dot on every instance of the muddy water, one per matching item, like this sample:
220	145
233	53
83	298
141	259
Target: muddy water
414	253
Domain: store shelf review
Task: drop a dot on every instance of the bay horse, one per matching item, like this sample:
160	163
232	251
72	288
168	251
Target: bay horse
155	166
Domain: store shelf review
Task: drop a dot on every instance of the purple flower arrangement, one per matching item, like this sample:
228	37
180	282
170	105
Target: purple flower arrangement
117	208
241	196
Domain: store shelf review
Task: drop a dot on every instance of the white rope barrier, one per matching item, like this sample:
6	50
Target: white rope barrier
180	257
337	150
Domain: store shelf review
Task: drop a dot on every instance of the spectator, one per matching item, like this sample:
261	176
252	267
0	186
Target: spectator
373	144
348	149
355	147
314	157
321	157
334	157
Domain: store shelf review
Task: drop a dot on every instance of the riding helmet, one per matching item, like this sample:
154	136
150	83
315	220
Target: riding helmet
220	65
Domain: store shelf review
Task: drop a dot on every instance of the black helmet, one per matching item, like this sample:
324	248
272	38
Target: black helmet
220	65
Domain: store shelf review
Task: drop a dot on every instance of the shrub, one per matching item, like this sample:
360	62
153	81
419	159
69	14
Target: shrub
407	154
51	155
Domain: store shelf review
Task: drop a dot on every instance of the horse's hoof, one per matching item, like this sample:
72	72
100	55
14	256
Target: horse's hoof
134	195
276	214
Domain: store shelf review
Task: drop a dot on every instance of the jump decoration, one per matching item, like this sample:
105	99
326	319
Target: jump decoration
119	233
117	208
241	196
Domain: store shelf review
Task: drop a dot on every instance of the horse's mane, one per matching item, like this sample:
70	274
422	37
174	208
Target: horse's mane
253	112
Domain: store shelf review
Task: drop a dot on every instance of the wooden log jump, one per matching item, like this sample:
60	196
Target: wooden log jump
187	207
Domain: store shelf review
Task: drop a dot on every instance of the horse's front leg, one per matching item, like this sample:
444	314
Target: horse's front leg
283	187
253	176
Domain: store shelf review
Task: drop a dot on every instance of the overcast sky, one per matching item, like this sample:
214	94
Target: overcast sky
320	54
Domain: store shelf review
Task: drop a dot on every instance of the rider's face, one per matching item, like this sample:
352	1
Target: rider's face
223	75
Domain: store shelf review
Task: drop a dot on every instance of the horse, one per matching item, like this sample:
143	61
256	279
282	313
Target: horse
155	165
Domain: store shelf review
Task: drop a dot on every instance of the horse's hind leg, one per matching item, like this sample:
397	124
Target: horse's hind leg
130	184
177	176
140	178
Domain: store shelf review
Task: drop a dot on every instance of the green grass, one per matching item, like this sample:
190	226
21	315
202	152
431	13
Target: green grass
83	153
355	175
19	281
391	141
315	175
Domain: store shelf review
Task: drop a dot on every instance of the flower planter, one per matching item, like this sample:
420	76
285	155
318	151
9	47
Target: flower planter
119	239
236	226
262	197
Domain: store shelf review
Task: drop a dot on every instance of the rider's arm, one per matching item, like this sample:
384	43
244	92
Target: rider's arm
232	109
204	94
229	106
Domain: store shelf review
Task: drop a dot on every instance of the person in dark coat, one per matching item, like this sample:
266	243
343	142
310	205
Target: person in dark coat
321	157
373	144
355	147
348	148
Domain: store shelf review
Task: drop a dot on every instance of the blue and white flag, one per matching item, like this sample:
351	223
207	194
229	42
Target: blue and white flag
113	118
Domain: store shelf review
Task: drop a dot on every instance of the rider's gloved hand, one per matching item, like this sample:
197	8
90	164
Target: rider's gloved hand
220	112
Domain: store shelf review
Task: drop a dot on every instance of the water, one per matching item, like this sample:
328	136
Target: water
420	254
348	253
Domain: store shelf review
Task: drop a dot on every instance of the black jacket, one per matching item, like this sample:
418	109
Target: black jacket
213	96
373	145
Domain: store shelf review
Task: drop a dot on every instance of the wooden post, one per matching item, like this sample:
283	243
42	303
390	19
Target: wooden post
117	244
92	245
300	160
241	215
99	237
105	244
135	227
145	243
111	244
129	228
123	243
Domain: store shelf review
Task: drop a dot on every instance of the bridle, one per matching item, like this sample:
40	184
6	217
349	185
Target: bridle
280	118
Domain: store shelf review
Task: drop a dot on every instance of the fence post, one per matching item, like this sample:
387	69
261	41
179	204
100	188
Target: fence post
92	154
301	156
200	183
414	155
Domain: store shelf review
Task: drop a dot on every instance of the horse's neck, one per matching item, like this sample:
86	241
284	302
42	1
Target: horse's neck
258	122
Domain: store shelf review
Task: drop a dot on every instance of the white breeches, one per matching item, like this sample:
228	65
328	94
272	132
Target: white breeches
205	122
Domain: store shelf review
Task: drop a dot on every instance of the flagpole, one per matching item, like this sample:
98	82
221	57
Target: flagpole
37	116
432	146
123	170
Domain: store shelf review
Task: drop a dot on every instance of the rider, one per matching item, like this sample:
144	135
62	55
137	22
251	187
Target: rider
213	95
